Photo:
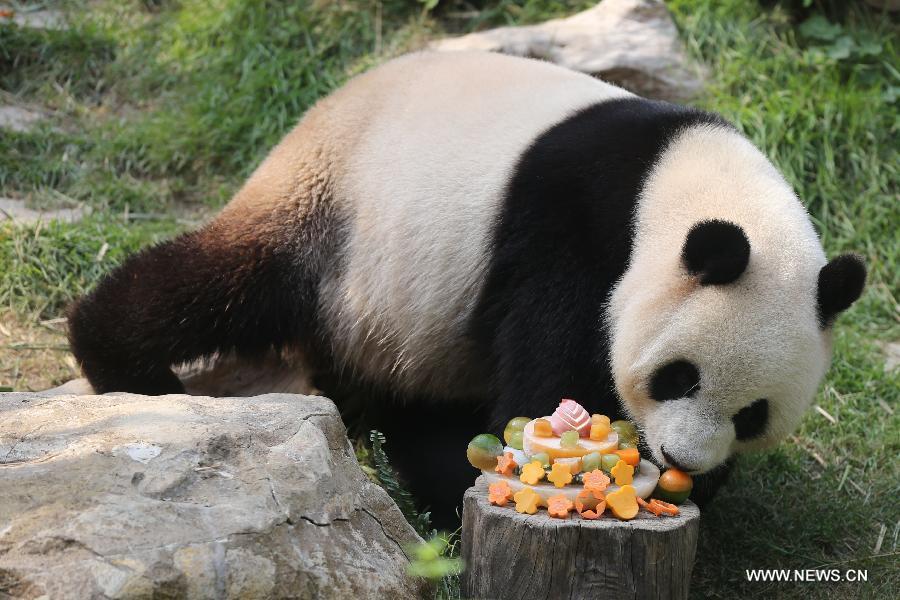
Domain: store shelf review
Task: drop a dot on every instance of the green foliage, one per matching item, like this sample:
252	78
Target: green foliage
839	45
45	266
35	61
436	561
388	479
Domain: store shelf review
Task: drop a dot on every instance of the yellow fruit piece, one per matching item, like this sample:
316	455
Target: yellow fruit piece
623	502
527	500
542	428
600	427
560	474
532	472
623	472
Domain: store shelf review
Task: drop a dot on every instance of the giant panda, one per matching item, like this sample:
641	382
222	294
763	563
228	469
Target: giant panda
471	237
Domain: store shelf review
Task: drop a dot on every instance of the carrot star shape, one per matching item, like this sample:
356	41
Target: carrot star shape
585	494
499	493
623	472
532	472
505	464
527	500
595	481
559	506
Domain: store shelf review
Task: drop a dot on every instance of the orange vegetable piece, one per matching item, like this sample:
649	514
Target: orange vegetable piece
527	500
590	514
560	474
505	464
532	472
499	493
623	472
665	507
543	428
595	481
648	506
559	506
630	455
623	502
674	480
600	427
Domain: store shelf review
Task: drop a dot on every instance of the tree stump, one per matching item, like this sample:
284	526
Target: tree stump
516	556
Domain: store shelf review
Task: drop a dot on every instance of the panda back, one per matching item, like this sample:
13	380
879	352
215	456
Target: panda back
422	190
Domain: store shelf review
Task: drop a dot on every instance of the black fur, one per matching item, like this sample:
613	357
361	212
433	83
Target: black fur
841	282
222	289
678	379
716	251
562	241
750	422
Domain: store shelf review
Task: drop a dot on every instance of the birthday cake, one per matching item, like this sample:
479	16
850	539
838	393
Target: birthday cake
572	460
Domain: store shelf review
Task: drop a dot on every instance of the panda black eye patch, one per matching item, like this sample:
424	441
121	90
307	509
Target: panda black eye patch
750	421
677	379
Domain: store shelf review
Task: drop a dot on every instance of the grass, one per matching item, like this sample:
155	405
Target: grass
160	109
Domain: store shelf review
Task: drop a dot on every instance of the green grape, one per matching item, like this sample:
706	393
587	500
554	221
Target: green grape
515	424
590	462
569	439
626	443
542	457
626	430
515	440
608	461
483	451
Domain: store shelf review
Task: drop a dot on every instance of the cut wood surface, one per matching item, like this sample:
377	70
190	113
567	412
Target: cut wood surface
529	557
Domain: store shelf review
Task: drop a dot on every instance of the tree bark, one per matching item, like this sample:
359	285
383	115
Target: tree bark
528	557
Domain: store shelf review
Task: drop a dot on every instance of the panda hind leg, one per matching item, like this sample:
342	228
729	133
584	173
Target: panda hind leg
216	290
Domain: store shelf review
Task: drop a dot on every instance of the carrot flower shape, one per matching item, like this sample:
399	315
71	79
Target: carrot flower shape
595	481
505	464
559	506
499	493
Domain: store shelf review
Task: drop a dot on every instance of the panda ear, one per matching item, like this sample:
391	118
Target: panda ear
840	284
716	251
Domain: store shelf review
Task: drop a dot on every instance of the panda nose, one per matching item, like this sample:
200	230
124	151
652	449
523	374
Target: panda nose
672	462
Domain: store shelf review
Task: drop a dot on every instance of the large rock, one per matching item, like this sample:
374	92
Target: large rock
633	43
124	496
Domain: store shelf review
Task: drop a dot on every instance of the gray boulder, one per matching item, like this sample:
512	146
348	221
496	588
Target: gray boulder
124	496
632	43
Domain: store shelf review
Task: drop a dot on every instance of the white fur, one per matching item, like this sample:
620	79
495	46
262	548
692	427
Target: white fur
755	338
423	186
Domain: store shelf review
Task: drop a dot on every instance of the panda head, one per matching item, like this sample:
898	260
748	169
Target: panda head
721	324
